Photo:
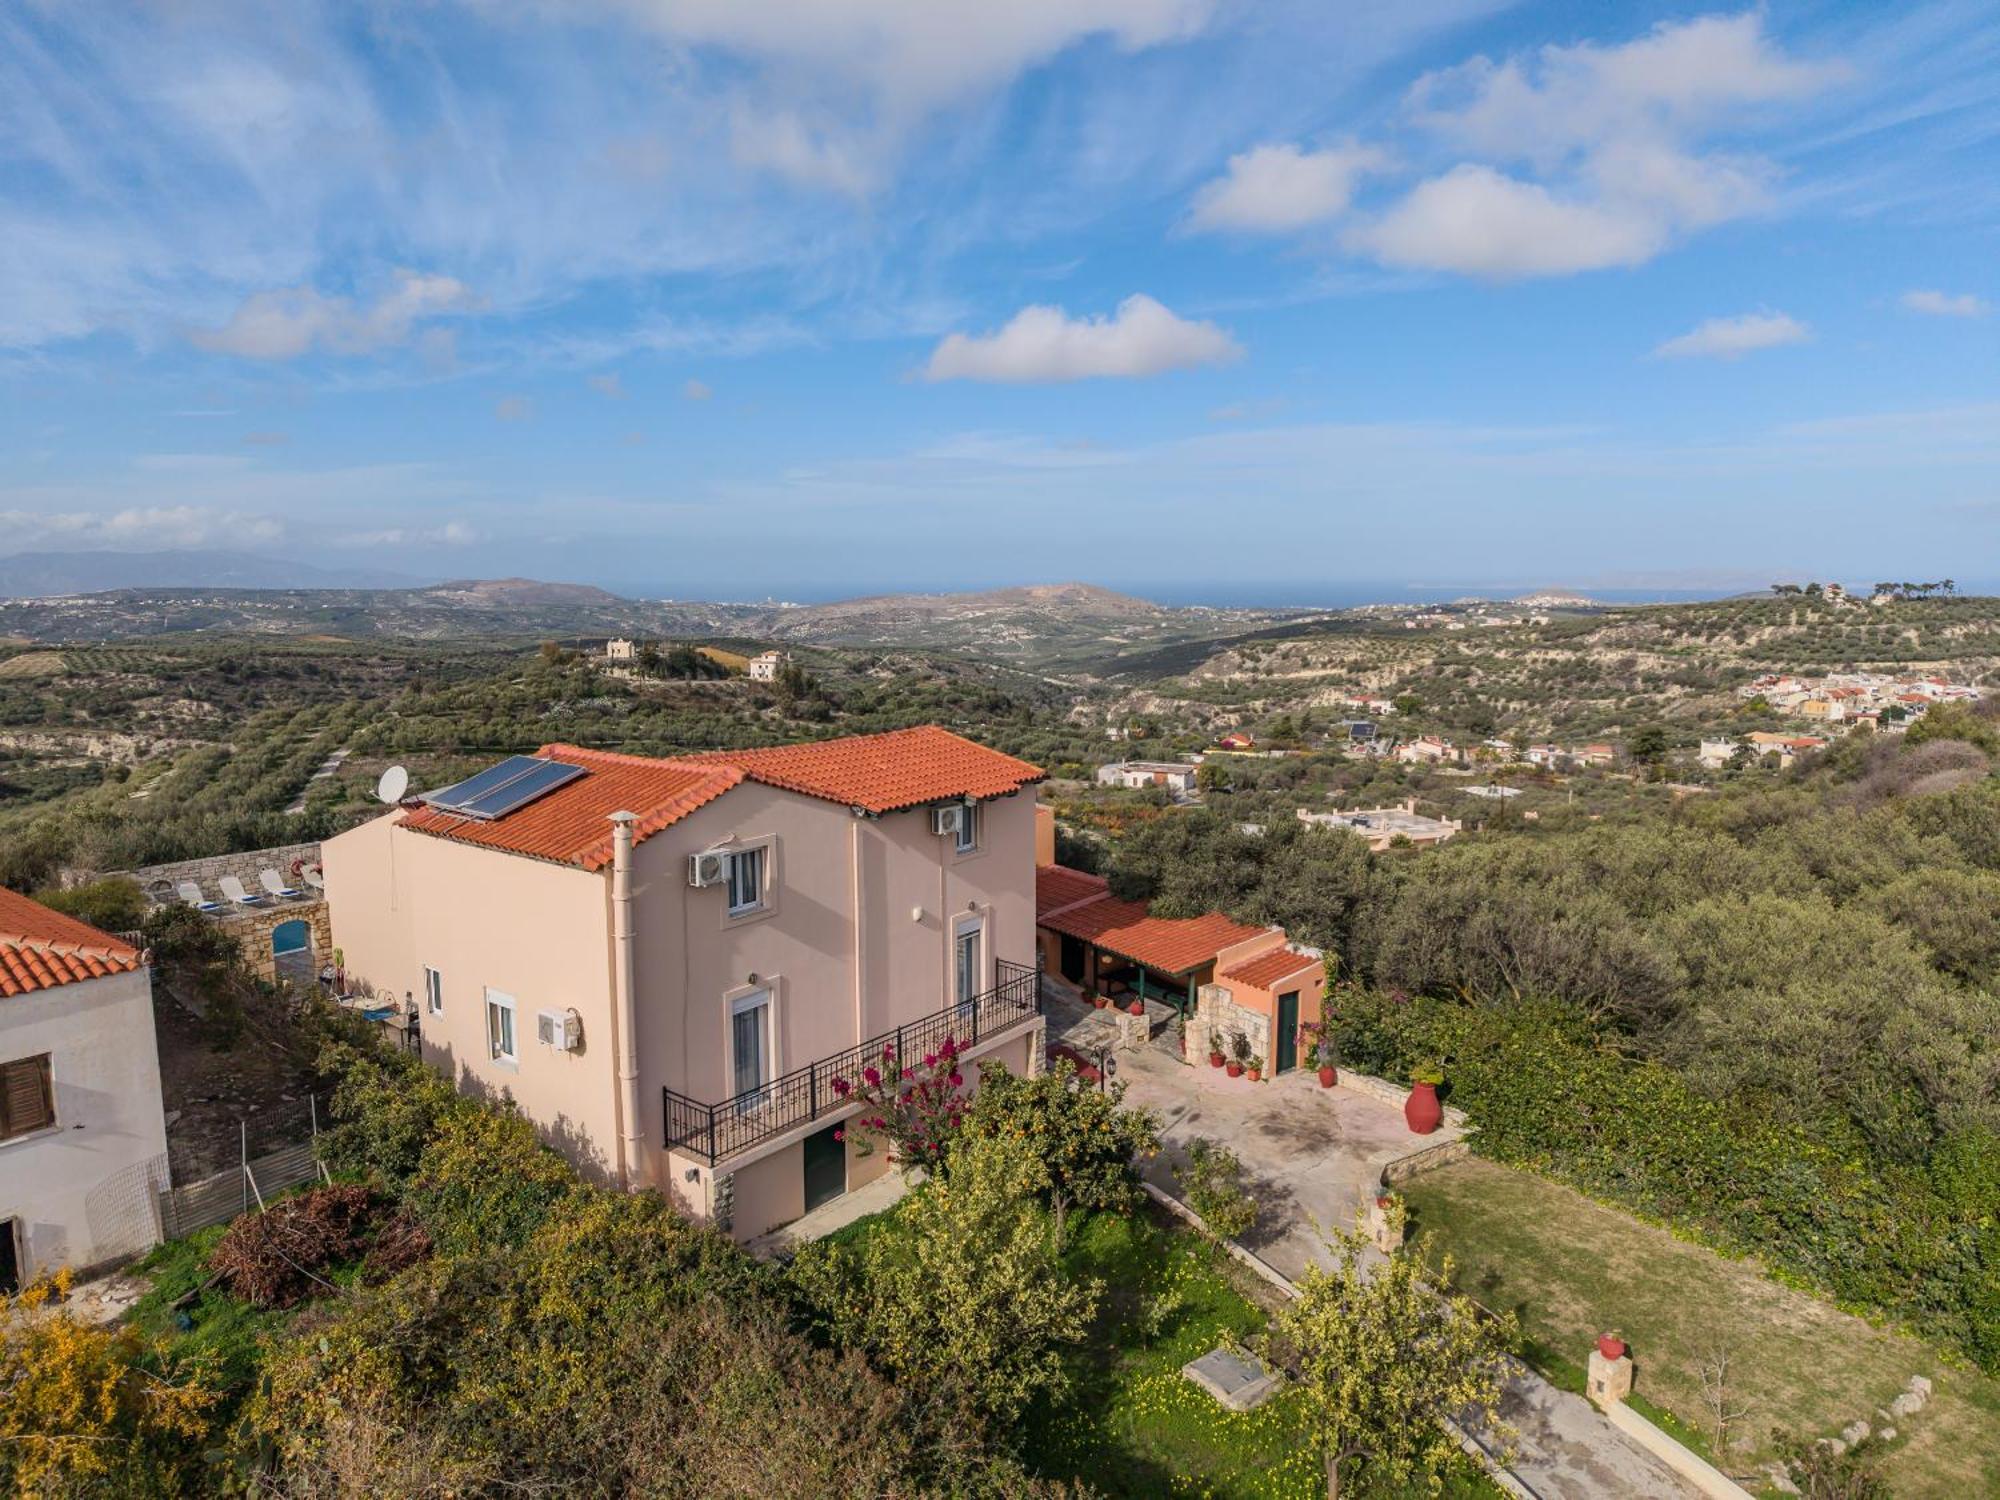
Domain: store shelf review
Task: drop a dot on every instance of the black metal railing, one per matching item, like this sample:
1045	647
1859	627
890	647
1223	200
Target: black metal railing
713	1131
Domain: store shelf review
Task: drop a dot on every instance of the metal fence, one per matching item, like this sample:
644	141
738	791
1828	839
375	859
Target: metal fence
276	1151
714	1131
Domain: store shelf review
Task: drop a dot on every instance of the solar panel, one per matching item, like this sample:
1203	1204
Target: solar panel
501	789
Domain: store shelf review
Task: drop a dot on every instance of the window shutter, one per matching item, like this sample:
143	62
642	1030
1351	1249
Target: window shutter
25	1102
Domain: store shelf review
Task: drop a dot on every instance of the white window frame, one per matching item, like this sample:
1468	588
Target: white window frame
760	855
966	840
433	991
498	1001
757	997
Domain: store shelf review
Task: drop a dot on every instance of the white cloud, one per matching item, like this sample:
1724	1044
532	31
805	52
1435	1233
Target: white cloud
1479	222
286	324
1731	338
696	390
610	385
1590	156
514	408
137	527
1945	305
451	534
1275	188
1043	344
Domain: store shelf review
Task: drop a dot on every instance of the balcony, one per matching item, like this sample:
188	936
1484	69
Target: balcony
716	1131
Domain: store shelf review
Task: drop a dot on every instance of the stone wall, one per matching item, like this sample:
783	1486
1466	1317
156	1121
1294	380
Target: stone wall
158	881
1218	1014
252	928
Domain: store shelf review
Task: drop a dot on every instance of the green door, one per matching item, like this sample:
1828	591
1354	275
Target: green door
1288	1032
826	1167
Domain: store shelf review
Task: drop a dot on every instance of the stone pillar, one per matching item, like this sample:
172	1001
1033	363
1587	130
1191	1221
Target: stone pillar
1133	1031
1610	1379
1200	1037
1385	1223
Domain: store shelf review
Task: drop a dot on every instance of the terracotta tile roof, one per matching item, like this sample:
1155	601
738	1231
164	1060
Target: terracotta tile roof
41	949
571	824
1058	887
884	772
1267	969
1173	945
878	772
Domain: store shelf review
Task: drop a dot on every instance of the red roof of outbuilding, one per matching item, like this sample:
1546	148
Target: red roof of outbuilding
41	949
1174	945
1267	969
878	773
1058	887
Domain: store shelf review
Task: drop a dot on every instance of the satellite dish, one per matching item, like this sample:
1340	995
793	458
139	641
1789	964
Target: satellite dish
394	783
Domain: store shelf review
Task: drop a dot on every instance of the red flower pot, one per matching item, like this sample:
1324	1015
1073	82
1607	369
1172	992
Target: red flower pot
1610	1346
1256	1075
1381	1200
1100	1001
1422	1110
1328	1078
1137	1008
1216	1059
1235	1069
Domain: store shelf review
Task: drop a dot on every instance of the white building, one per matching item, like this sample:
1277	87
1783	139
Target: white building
83	1140
765	668
621	650
1715	754
1175	776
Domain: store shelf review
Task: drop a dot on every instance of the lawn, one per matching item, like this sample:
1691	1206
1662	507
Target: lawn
215	1323
1132	1425
1572	1268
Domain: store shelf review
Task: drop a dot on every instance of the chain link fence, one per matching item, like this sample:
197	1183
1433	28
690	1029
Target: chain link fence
277	1149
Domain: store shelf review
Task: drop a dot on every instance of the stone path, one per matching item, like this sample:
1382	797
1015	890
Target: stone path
327	768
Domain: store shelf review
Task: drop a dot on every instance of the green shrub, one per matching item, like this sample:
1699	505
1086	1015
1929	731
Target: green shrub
1084	1142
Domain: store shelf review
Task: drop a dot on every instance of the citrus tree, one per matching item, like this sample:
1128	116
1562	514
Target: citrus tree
1383	1359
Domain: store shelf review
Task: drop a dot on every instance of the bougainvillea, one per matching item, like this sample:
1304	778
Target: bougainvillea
915	1106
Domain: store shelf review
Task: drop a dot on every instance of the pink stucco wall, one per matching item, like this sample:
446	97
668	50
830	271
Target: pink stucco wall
857	939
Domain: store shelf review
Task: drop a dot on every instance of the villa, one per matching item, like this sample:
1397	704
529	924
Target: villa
678	968
1383	826
1176	776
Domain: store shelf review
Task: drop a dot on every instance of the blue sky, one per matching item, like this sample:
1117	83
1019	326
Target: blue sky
809	297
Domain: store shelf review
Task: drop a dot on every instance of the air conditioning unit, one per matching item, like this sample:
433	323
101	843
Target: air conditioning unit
948	820
710	867
560	1029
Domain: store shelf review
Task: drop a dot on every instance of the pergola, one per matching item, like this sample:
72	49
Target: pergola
1160	958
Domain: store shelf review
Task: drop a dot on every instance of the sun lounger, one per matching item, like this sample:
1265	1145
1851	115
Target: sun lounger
316	880
274	883
191	893
233	889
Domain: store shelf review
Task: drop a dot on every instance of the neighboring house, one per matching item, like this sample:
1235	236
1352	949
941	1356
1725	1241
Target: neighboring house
1175	776
1546	756
83	1140
765	668
1357	730
1594	755
621	650
1427	749
1382	826
1717	753
1787	747
669	963
1236	741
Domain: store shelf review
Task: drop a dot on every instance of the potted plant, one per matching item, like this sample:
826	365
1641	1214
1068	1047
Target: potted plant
1137	1007
1215	1057
1318	1044
1611	1345
1422	1110
1256	1069
1100	1000
1239	1053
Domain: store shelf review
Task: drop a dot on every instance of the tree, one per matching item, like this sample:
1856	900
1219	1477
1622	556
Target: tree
1648	744
1383	1358
917	1110
1083	1140
958	1297
1212	1184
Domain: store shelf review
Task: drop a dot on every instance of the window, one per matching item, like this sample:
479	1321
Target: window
968	829
750	1040
500	1026
27	1097
746	881
433	992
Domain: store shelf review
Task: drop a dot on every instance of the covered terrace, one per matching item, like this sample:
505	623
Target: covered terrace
1120	950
